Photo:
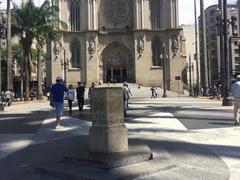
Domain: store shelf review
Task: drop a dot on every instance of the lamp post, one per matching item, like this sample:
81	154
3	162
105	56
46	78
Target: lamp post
227	101
204	60
65	64
3	21
196	49
163	58
219	24
193	77
190	76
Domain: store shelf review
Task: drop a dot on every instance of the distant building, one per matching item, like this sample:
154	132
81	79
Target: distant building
213	44
189	35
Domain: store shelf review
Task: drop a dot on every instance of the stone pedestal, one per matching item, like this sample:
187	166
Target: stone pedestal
1	105
108	133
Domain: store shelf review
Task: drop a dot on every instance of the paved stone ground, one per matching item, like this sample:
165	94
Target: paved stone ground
194	149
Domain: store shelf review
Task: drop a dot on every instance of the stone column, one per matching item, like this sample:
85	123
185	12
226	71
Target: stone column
108	133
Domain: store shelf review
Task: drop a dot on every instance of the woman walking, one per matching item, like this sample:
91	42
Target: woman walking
70	97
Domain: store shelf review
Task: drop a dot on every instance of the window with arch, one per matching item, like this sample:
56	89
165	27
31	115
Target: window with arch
155	14
75	52
156	51
75	15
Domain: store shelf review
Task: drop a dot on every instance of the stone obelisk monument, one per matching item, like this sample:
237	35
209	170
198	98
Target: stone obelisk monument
108	133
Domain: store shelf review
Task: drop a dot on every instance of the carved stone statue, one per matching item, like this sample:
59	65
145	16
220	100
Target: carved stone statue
91	47
140	45
175	45
116	11
57	48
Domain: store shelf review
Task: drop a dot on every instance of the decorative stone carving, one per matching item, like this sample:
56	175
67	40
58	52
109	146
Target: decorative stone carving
116	59
56	48
140	45
175	45
116	11
91	47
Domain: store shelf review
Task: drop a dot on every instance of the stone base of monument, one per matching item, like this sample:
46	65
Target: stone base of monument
137	162
135	154
108	139
1	106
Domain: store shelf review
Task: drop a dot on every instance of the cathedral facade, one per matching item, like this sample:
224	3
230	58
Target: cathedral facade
117	41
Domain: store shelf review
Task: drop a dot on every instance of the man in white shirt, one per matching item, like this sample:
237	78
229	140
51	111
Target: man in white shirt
8	97
236	95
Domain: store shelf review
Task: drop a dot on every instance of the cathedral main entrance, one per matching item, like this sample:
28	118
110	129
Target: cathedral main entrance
116	64
116	75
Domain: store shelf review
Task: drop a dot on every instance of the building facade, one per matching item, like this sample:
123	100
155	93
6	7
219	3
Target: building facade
189	34
213	43
118	40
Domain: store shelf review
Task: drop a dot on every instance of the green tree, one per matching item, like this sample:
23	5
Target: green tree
34	23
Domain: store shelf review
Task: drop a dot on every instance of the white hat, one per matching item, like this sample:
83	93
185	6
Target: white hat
238	77
59	78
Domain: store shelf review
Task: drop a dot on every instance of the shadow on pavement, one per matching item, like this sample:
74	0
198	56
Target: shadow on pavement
22	123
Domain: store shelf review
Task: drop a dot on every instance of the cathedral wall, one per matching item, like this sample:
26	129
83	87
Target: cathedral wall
146	73
73	74
92	57
127	22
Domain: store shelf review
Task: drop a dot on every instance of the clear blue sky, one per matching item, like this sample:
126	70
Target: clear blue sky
186	8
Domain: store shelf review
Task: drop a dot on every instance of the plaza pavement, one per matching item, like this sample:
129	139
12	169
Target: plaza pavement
159	126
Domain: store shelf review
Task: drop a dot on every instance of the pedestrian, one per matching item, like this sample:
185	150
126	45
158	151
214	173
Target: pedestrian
156	94
57	92
70	97
8	98
236	94
153	92
90	94
80	95
127	92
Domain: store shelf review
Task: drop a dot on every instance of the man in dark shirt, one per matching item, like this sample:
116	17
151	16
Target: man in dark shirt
80	95
57	92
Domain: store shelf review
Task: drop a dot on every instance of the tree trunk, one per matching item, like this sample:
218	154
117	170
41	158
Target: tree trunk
27	77
9	57
39	76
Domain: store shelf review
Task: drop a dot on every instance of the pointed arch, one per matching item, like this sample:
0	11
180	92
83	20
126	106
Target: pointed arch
75	53
75	15
116	63
155	14
156	51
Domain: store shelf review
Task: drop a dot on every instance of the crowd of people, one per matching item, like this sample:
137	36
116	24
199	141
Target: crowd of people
59	92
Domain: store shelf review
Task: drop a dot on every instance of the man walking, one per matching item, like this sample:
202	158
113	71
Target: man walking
236	95
8	97
90	94
57	92
80	95
126	96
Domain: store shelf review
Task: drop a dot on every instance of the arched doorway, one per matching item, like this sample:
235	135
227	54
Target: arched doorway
116	64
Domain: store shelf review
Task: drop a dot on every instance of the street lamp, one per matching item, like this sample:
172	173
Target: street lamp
163	58
227	101
190	75
233	14
65	63
3	27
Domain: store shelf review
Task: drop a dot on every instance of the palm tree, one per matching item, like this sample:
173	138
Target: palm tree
9	58
45	32
34	23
